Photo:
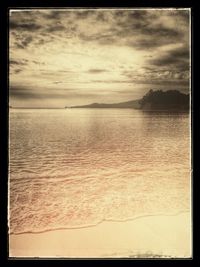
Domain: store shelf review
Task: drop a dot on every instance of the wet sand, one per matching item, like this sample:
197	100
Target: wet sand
145	237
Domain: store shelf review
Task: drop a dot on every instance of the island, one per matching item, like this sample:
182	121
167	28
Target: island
167	100
172	100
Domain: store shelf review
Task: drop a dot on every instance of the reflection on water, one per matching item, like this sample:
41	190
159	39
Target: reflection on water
76	167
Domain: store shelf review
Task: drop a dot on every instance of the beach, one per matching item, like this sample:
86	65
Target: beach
157	236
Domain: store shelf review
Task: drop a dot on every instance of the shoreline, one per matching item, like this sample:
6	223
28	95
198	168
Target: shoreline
151	236
82	226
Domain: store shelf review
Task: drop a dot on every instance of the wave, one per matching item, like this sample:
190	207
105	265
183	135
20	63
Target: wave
74	227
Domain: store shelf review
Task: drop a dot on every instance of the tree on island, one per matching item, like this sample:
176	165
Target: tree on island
168	100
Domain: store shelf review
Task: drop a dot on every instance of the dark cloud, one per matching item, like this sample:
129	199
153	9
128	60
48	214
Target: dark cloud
57	82
168	71
18	45
96	71
111	81
161	31
129	15
164	60
179	58
104	38
66	71
83	14
135	29
17	71
54	15
14	62
148	36
167	82
38	62
118	13
185	16
138	14
171	78
146	43
18	62
41	42
26	93
49	73
181	15
24	26
22	93
135	20
24	42
181	53
131	20
101	16
17	66
107	40
55	28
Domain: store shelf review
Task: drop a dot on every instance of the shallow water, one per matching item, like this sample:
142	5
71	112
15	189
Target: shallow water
78	167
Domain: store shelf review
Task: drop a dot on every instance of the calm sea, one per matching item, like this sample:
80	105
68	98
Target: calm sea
77	167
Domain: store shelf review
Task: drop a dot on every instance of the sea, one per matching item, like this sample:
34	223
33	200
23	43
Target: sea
73	168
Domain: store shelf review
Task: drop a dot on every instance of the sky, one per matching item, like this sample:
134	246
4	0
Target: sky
66	57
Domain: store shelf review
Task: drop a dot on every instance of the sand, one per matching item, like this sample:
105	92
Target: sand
144	237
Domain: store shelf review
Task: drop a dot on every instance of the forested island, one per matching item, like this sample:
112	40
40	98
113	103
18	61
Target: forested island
168	100
153	100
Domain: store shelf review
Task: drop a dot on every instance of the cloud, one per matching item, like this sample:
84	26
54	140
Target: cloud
27	93
83	14
55	28
57	82
24	42
96	71
22	93
161	31
175	83
17	71
177	58
24	26
103	38
112	81
184	15
18	62
52	15
140	29
144	34
17	66
101	16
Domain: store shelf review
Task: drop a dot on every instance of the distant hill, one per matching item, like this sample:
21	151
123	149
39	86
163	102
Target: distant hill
128	104
168	100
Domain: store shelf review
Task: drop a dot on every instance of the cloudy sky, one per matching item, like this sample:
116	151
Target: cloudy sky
71	57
